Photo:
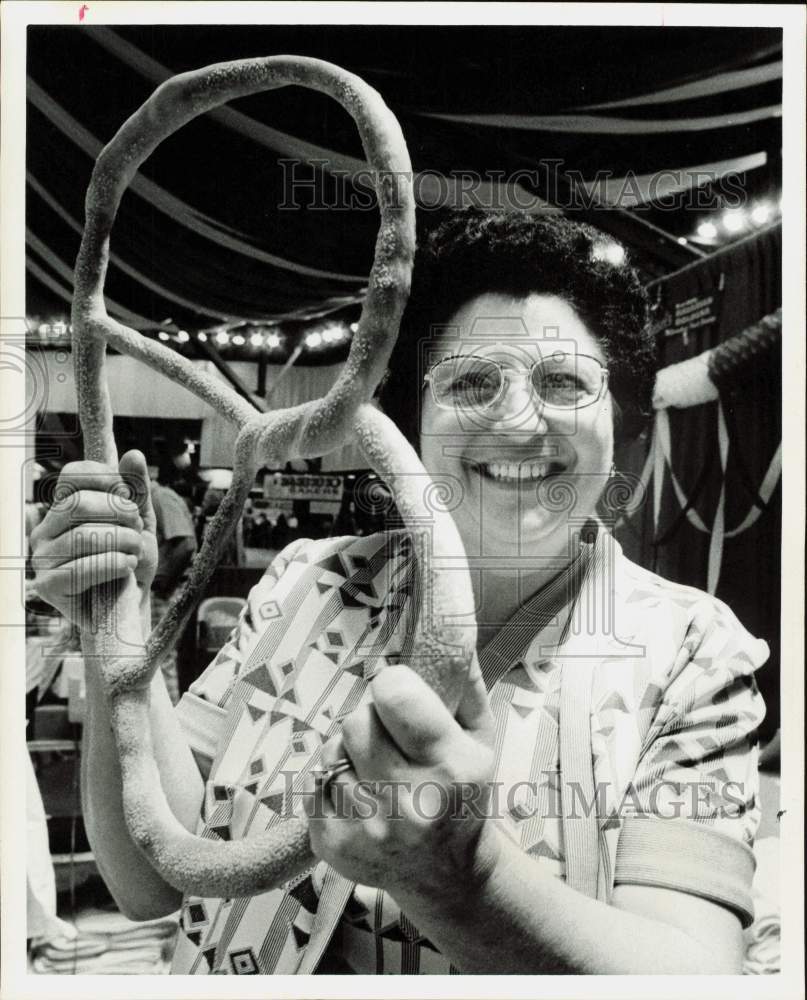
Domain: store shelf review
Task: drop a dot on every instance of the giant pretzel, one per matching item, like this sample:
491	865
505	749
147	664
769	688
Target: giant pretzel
442	651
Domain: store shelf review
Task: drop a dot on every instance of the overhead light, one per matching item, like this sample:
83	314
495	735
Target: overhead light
733	221
222	337
683	240
183	336
201	336
238	340
707	231
256	340
313	340
163	335
273	340
761	213
354	327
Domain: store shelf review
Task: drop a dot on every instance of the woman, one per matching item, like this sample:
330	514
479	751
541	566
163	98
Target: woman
593	813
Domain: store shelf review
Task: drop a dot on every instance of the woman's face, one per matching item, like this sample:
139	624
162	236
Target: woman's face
528	473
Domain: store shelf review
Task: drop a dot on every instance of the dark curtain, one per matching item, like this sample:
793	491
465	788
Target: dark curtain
695	309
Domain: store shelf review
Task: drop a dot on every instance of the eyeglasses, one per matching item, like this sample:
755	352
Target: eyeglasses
561	380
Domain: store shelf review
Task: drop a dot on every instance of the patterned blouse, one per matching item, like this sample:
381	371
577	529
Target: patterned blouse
667	771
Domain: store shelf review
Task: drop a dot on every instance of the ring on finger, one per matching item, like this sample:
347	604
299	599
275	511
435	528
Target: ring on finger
326	776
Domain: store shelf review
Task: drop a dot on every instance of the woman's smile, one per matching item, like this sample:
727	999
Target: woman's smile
524	474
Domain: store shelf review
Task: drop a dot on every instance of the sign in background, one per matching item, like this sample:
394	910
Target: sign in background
323	490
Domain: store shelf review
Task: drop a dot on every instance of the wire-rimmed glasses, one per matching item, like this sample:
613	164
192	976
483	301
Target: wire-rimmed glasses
563	380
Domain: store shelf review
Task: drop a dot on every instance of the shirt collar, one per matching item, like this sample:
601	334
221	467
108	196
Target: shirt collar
543	616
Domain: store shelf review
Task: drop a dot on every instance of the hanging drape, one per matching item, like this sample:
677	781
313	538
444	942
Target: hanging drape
711	470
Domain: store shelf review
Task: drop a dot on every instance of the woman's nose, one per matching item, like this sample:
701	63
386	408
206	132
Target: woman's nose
520	408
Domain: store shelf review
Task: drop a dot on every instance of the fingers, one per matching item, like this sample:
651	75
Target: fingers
135	473
76	577
86	540
413	715
88	506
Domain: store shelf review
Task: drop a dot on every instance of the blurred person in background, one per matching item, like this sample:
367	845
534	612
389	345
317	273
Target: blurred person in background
176	546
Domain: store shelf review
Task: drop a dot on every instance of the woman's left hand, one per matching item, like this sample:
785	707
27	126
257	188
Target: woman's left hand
409	816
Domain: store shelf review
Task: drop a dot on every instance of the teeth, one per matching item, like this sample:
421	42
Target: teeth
513	472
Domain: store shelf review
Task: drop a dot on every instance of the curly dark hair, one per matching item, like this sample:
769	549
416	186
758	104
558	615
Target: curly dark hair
471	252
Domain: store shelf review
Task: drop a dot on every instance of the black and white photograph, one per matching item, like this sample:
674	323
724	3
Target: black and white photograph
403	517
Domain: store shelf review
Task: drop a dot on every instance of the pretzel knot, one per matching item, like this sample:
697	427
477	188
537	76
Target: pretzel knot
442	653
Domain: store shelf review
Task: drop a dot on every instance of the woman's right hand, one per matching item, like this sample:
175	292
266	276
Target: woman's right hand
101	527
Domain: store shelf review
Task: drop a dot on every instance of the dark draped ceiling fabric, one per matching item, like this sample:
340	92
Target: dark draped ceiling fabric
203	235
696	309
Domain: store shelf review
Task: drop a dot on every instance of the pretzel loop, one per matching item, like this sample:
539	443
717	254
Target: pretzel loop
442	650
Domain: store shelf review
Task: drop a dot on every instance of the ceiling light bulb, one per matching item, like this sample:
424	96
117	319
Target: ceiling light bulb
707	230
761	213
313	340
222	337
734	221
238	340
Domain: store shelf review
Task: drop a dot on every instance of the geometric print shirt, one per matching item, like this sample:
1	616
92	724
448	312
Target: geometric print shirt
673	718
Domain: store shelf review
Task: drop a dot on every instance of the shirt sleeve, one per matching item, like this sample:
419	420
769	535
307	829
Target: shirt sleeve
173	517
694	805
203	707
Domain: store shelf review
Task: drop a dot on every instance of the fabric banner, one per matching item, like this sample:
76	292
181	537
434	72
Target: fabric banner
712	511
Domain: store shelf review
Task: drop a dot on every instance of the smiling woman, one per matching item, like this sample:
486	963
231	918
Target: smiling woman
524	351
591	806
535	348
558	822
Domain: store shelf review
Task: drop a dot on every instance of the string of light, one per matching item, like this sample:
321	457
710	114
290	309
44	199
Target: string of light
731	223
250	338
